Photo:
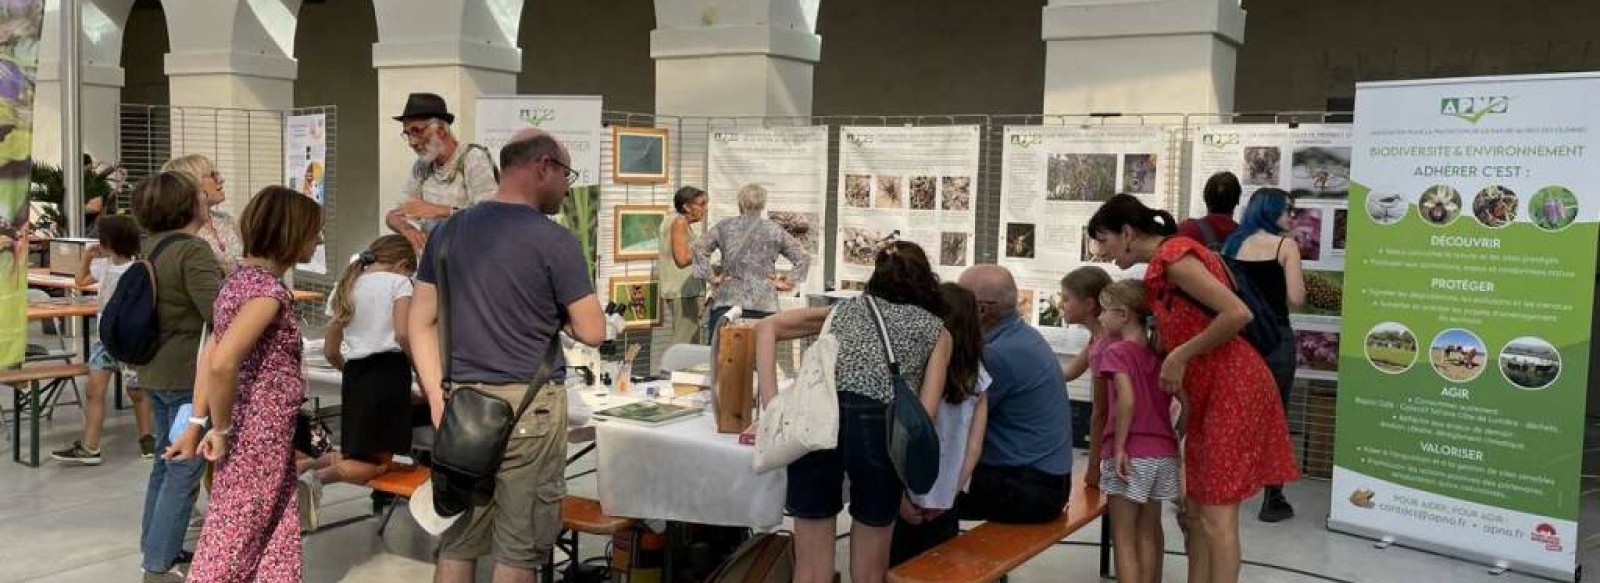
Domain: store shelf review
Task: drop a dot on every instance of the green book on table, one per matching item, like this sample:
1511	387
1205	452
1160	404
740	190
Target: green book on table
648	413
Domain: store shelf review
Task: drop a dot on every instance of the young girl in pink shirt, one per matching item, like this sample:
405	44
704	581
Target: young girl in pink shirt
1139	466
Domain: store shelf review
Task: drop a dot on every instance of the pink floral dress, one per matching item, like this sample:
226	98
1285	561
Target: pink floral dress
252	529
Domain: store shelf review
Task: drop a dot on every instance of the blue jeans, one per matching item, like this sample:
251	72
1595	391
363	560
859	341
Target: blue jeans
169	499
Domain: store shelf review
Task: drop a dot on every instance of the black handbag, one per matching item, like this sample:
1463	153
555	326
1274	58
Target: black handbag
476	424
913	440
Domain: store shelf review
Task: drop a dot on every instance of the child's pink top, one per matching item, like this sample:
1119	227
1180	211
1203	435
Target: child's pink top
1098	341
1151	434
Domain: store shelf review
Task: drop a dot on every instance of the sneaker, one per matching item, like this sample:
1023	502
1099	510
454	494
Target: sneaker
183	558
147	447
1274	507
77	454
174	575
310	500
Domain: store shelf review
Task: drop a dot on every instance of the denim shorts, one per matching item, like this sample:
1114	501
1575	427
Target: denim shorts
816	480
99	359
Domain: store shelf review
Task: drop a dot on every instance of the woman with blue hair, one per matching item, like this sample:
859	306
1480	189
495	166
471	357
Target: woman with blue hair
1264	251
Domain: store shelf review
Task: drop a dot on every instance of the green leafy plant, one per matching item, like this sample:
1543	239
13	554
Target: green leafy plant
101	181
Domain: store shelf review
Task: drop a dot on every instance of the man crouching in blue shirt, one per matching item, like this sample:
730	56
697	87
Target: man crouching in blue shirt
1025	473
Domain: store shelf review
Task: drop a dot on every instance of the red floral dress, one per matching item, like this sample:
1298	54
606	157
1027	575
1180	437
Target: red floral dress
252	531
1236	442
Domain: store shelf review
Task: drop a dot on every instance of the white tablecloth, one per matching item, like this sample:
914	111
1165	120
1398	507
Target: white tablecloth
683	471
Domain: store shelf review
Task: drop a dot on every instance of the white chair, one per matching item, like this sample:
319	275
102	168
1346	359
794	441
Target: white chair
682	357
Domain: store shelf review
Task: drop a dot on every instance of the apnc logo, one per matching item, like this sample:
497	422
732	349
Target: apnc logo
1474	109
858	139
1546	534
1220	140
1026	140
536	117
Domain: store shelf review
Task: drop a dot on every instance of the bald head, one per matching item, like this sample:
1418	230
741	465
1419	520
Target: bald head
530	145
995	289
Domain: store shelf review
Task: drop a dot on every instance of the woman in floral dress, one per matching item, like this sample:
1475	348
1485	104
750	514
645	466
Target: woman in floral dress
1231	400
252	385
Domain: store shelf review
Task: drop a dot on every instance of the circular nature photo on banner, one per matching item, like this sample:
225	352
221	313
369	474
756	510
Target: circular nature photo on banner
1439	205
1458	355
1386	208
1391	348
1495	206
1530	363
1552	208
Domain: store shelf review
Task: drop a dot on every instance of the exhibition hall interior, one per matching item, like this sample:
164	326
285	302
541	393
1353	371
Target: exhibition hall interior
798	290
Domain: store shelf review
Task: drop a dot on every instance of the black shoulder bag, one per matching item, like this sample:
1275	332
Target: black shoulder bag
913	441
476	425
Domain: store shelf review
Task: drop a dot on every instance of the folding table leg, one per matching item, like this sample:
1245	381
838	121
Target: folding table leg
1105	546
37	404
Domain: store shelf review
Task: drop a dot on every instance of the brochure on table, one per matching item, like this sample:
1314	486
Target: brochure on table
1312	163
792	165
1465	356
305	166
1053	179
921	182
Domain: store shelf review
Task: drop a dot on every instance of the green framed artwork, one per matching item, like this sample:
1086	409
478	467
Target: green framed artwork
637	231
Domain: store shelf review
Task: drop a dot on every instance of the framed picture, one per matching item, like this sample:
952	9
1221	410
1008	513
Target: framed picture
638	155
639	297
637	231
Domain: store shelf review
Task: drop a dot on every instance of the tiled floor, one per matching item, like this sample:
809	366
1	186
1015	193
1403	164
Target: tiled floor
81	525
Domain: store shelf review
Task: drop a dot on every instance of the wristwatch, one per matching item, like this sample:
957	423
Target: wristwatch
203	422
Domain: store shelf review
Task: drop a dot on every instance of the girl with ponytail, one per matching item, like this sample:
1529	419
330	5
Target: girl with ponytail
366	340
1229	454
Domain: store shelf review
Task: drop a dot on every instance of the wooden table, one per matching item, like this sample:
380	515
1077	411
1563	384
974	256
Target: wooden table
41	277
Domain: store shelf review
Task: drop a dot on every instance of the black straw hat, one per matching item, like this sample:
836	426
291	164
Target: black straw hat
426	106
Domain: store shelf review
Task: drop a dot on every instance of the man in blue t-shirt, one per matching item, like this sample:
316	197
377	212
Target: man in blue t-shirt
1025	473
516	279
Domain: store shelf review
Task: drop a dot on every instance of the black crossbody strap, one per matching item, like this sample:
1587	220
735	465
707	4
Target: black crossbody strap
442	267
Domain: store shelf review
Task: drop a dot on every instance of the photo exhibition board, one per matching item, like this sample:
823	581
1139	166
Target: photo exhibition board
1465	355
1312	163
792	165
1053	179
305	168
573	119
919	181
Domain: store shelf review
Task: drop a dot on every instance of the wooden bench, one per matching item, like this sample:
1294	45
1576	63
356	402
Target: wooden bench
401	481
33	387
583	515
989	551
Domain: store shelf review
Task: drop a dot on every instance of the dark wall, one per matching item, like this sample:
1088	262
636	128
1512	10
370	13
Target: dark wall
1297	54
589	47
144	46
333	48
912	57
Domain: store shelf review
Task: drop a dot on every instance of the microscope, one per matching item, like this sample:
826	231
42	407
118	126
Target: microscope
598	364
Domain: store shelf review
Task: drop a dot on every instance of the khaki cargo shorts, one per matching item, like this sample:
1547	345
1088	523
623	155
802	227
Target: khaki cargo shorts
520	524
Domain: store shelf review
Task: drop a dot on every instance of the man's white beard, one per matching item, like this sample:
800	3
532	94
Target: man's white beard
432	151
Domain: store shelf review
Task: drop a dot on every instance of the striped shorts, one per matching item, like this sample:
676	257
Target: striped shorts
1150	478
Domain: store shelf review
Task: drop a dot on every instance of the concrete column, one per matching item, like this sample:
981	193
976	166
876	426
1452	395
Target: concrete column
1152	56
727	57
465	48
103	24
231	73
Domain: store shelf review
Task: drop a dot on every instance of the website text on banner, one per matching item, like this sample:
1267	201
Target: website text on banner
1464	360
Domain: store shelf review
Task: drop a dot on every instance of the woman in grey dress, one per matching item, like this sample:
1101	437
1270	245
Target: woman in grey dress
750	246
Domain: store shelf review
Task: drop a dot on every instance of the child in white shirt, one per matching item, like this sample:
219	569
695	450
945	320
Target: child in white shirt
104	263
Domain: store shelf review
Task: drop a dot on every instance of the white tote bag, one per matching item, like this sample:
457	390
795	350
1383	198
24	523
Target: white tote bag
805	417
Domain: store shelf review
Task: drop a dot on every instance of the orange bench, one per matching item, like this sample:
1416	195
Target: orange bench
991	550
33	387
401	481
